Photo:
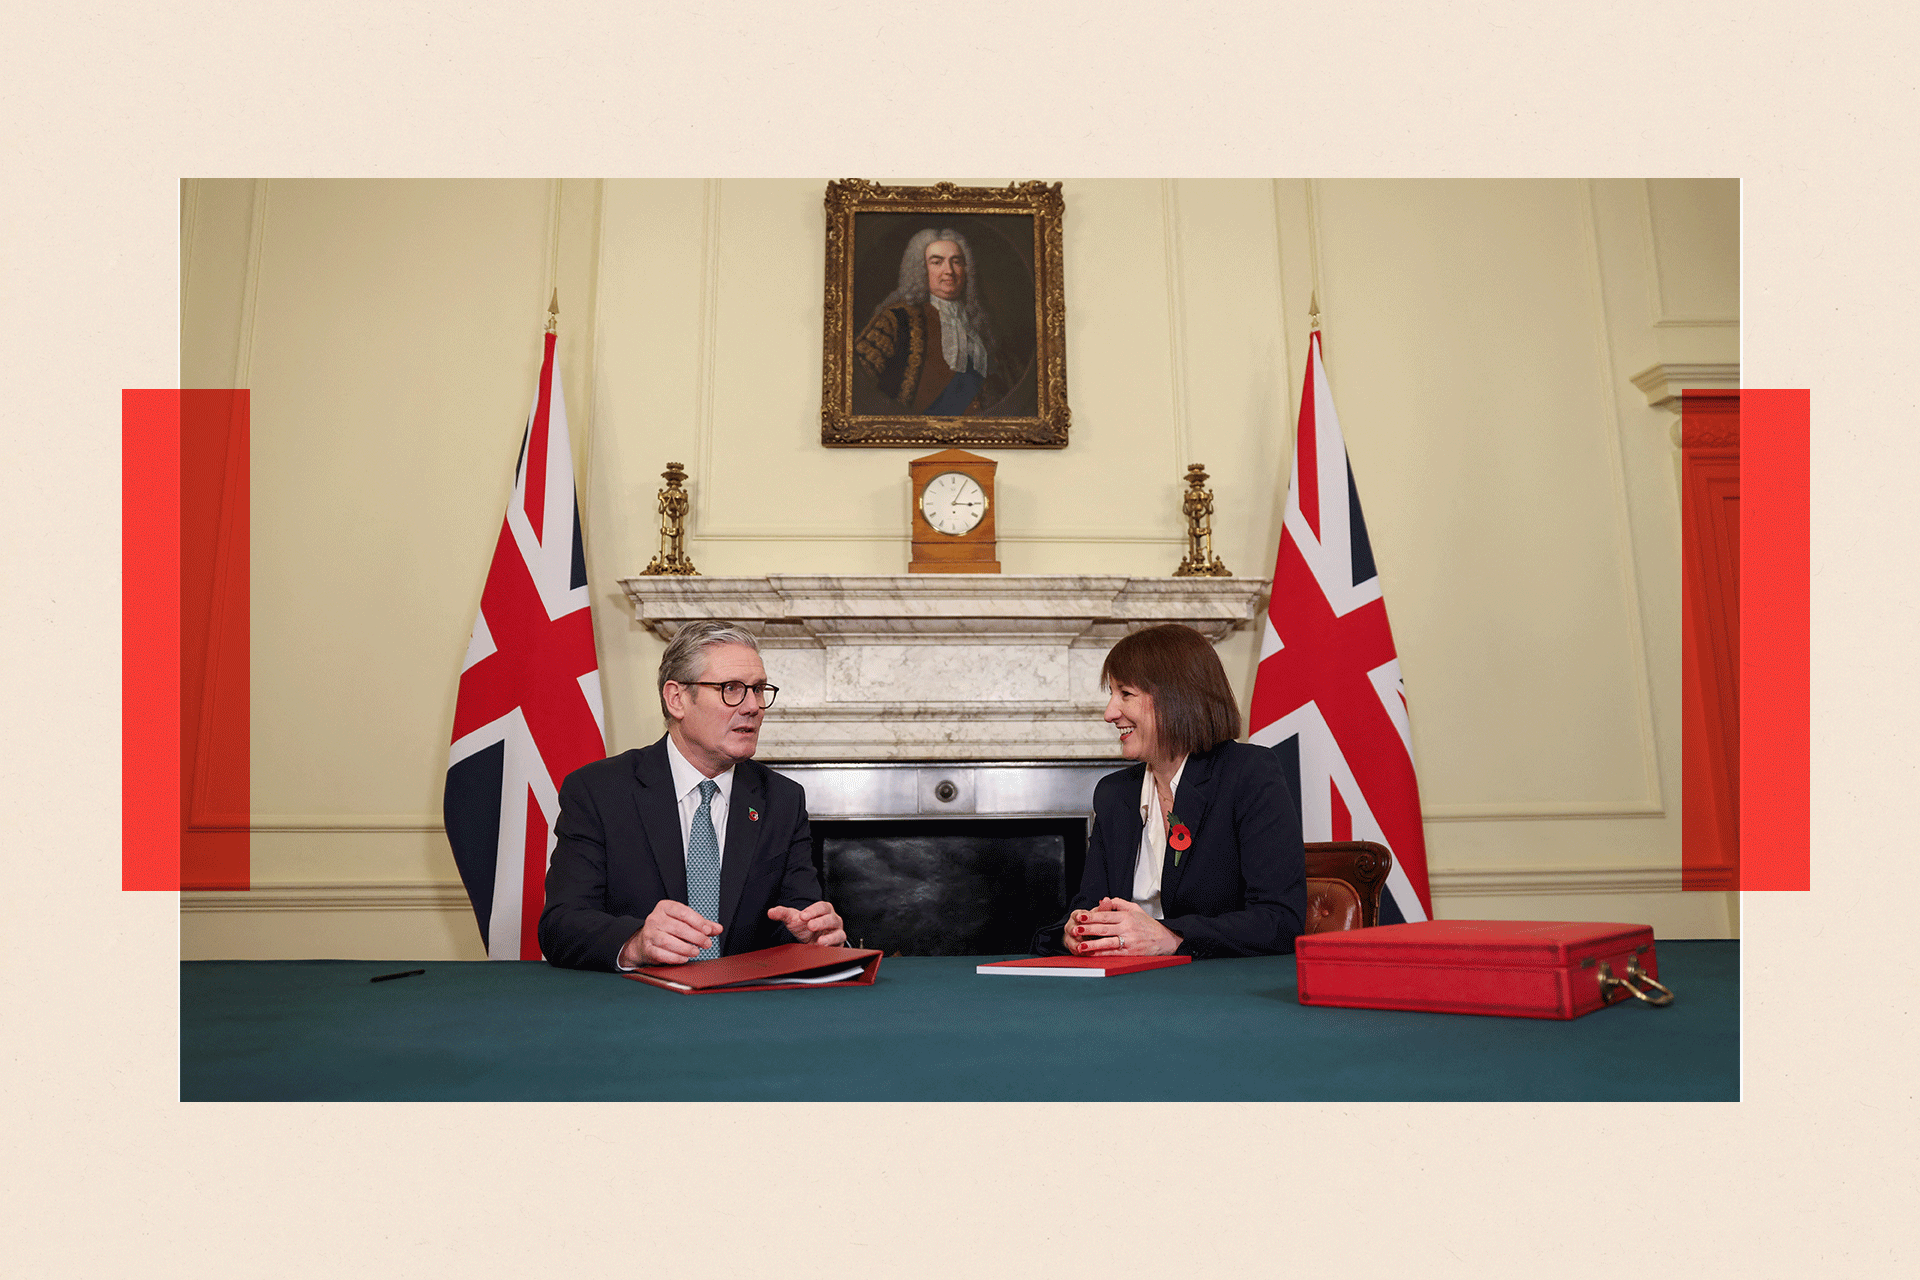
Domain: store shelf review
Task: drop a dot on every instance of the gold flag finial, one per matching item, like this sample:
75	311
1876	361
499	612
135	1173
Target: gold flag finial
1313	309
553	312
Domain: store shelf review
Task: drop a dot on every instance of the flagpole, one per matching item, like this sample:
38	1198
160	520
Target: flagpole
553	312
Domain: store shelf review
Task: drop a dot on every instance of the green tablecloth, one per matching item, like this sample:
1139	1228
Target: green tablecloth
929	1029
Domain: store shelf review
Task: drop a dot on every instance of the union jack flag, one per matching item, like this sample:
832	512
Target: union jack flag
529	710
1328	697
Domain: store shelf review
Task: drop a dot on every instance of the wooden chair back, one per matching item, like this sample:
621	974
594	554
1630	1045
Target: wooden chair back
1344	881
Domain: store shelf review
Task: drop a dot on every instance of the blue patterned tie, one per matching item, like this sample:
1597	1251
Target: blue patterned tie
703	864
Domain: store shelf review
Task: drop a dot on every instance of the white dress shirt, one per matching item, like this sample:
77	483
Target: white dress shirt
686	790
1153	843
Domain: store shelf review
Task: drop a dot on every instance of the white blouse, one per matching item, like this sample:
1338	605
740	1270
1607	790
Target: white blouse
1153	843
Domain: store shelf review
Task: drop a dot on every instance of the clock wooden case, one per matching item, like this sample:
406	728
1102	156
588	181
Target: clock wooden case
953	513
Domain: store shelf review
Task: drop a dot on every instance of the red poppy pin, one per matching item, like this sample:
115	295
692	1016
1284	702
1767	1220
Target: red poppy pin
753	814
1179	837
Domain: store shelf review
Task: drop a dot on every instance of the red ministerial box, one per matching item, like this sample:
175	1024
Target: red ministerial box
1508	968
783	968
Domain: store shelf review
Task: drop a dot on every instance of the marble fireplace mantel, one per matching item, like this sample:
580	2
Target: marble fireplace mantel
941	666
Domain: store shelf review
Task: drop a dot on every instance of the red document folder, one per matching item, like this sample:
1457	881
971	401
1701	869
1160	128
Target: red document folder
1508	968
761	970
1080	966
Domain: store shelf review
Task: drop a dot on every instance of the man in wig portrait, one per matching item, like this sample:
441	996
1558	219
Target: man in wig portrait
930	347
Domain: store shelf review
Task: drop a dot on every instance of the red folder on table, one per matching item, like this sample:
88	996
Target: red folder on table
1507	968
1080	966
793	966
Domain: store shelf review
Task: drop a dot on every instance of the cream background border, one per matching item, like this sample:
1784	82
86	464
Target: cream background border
1810	1174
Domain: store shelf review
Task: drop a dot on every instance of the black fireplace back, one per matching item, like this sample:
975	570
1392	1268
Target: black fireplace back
949	887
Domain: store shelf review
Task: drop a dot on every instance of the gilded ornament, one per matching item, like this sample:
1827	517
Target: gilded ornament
672	561
1200	562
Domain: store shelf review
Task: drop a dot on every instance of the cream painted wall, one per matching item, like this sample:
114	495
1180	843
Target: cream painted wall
1480	338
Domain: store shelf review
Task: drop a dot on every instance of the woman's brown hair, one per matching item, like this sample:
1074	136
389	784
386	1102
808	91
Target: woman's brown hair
1193	707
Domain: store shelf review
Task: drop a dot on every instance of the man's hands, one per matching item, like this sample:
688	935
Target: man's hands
674	933
818	924
1118	927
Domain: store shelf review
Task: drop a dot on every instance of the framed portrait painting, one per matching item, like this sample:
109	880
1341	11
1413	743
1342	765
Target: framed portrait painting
945	317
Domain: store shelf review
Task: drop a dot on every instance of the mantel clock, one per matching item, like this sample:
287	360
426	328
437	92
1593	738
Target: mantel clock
953	526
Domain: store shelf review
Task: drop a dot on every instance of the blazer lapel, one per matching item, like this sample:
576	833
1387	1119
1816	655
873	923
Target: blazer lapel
1190	806
1123	851
660	818
744	834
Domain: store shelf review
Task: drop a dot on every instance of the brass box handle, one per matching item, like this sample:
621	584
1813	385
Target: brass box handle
1608	984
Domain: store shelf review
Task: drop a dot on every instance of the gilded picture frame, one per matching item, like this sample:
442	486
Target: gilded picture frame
991	373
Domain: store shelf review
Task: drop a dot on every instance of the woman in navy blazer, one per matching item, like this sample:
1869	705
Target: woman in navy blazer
1196	849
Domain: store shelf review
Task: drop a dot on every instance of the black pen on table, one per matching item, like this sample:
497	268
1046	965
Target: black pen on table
389	977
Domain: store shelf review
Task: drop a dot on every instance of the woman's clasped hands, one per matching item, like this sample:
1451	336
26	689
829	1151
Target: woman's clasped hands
1118	927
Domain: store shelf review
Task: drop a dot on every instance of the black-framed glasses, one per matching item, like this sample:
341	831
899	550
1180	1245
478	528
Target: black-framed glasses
733	692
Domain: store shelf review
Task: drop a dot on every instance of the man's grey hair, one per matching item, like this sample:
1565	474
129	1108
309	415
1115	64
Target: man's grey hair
685	659
912	289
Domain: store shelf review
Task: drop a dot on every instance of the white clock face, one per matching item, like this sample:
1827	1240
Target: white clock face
953	502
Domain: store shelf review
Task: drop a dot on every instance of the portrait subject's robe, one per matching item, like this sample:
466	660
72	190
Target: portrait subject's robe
901	351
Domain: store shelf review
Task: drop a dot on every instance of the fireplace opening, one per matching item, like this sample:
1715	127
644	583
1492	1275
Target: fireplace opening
949	887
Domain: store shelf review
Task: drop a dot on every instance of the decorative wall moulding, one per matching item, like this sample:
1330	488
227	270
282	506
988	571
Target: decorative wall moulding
1663	383
1711	422
411	895
343	823
946	667
1543	881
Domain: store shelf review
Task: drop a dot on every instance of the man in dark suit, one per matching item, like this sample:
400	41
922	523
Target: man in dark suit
686	849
